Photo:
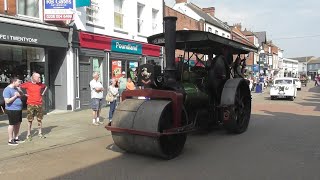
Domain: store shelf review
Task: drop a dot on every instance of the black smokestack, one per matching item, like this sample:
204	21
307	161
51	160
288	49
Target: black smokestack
170	46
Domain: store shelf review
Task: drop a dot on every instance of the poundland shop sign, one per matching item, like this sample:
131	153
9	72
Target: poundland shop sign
126	47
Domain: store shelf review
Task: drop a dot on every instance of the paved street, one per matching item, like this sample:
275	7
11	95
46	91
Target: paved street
282	142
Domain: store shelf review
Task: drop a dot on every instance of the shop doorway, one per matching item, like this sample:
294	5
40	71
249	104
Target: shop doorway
84	81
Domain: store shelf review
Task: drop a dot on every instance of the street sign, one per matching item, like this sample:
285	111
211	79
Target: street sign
58	10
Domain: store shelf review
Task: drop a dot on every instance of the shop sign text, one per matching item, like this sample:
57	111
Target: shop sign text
18	39
59	4
126	47
58	10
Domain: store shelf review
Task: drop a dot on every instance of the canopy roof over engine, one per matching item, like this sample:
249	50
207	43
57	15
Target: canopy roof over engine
203	43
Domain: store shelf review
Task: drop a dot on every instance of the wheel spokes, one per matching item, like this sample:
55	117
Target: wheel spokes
241	111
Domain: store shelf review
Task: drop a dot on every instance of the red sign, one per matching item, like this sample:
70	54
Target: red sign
94	41
151	50
101	42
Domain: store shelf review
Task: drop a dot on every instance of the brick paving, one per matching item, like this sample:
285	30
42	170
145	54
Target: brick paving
60	129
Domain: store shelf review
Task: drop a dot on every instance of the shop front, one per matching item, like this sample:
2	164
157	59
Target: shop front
110	56
24	50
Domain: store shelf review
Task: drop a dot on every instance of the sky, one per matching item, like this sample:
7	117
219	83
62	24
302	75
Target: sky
293	26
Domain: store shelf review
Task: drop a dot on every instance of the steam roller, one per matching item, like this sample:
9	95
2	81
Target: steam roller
179	98
153	117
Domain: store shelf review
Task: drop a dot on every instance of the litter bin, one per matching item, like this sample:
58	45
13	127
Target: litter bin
259	88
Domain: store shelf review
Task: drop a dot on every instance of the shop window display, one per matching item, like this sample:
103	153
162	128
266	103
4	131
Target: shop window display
132	71
130	67
36	67
116	68
18	61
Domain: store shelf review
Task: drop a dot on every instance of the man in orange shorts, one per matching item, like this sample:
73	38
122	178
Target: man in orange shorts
34	103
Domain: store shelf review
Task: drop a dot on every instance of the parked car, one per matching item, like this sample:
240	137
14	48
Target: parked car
298	83
283	88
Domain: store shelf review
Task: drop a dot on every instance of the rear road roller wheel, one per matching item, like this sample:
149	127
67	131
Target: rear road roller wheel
149	116
236	96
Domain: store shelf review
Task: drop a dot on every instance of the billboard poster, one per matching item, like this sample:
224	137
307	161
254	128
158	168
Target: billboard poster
116	69
58	10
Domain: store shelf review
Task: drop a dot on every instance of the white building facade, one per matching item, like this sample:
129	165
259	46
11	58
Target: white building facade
110	37
290	67
280	63
275	63
303	67
127	19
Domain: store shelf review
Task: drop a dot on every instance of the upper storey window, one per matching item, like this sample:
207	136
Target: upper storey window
28	8
118	14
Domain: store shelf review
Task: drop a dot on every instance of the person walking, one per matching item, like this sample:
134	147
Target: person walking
316	80
261	82
251	83
122	82
13	106
96	98
113	92
34	103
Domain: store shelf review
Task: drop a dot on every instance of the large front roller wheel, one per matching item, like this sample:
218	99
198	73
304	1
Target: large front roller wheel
147	116
236	98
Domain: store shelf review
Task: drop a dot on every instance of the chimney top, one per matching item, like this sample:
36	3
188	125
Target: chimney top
209	10
238	26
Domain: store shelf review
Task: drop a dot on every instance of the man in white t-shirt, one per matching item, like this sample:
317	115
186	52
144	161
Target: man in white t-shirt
96	97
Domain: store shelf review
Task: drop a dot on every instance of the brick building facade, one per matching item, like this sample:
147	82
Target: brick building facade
184	22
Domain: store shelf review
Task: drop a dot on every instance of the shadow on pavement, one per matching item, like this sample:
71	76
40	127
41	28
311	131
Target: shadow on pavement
283	138
315	89
315	105
314	100
45	130
114	148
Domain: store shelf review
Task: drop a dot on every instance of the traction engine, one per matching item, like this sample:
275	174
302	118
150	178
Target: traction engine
180	99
